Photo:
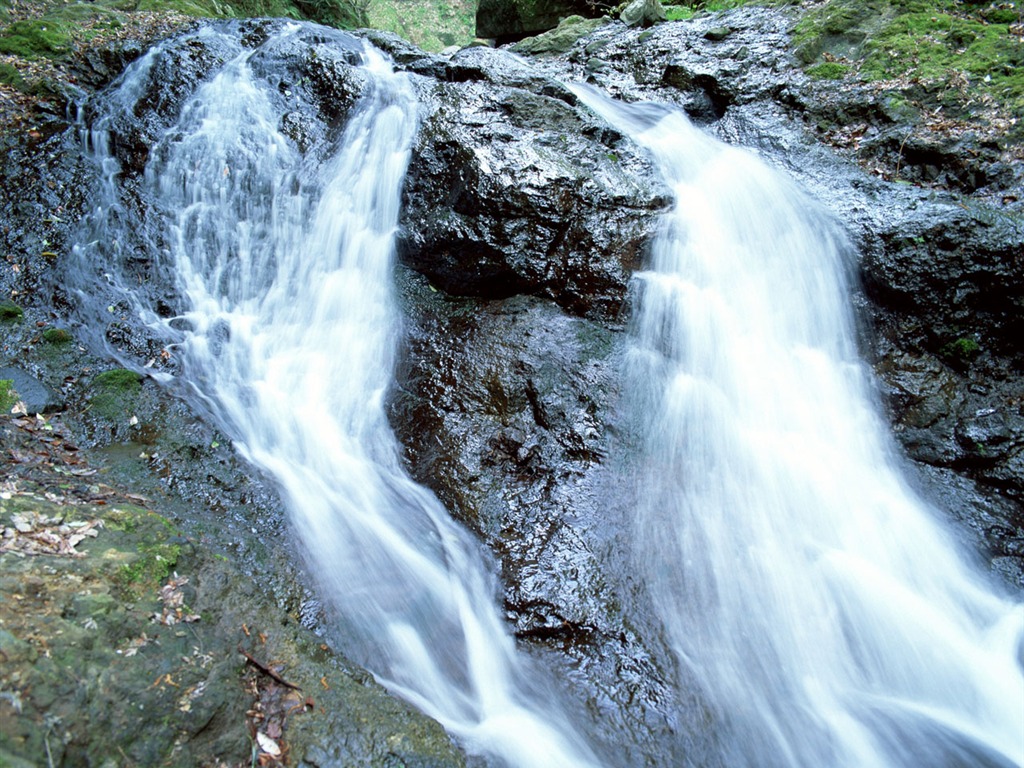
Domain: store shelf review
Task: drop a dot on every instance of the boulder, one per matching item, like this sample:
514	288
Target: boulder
508	20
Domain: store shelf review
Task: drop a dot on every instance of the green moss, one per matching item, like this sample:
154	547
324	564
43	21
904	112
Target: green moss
35	39
56	336
10	312
51	36
113	393
961	50
962	350
9	75
829	70
8	397
155	562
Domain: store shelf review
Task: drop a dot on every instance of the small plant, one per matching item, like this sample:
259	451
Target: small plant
963	350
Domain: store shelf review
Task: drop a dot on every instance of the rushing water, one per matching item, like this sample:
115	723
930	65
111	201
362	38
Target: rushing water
286	268
802	586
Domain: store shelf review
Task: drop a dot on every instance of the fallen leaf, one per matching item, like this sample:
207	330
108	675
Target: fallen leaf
268	745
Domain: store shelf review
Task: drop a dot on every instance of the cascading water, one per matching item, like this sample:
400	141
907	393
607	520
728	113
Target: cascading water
286	268
802	586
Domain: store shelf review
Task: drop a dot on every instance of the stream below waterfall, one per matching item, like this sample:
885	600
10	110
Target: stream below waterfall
807	595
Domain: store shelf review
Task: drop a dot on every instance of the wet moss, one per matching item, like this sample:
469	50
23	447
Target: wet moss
10	312
114	392
58	336
963	350
8	397
829	70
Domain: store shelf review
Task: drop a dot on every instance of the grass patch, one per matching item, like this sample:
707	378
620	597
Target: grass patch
679	12
36	39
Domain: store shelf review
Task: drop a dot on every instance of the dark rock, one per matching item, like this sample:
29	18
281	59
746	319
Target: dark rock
506	411
509	20
517	191
37	397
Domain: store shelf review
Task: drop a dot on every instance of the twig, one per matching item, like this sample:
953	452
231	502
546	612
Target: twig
267	670
899	158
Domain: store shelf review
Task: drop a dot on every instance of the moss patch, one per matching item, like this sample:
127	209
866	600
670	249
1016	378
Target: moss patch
113	393
828	70
8	397
962	50
57	336
10	312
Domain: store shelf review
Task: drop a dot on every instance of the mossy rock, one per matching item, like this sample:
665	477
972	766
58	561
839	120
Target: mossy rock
57	336
113	393
35	39
10	312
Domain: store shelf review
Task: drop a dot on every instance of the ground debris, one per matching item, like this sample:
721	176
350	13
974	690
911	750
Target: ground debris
173	609
30	533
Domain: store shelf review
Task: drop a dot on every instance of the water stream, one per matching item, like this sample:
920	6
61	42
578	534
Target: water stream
806	592
803	587
286	269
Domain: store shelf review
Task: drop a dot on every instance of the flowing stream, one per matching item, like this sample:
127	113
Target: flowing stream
802	586
286	267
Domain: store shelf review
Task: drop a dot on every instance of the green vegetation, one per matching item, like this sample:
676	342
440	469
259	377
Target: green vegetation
53	34
828	70
963	350
9	75
10	312
8	397
56	336
946	43
679	12
113	393
430	24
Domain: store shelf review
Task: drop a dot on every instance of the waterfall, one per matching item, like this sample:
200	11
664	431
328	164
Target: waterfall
285	266
803	587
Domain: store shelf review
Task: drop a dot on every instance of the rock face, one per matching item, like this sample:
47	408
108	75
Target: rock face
513	189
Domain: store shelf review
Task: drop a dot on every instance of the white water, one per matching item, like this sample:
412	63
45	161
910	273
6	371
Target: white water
807	591
287	269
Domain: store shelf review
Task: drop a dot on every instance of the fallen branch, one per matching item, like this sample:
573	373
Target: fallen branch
267	670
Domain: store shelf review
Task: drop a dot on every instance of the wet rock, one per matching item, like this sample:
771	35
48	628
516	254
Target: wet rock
561	38
506	410
643	13
513	189
37	397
